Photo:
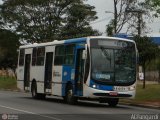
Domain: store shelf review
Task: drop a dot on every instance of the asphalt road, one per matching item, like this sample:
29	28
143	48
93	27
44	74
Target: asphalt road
18	105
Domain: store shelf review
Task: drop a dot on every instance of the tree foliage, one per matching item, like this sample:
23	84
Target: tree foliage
148	51
153	5
8	49
110	28
77	21
46	20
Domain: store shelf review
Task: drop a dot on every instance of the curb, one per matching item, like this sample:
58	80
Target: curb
10	90
141	105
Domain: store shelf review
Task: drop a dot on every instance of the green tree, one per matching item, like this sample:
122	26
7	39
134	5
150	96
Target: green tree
128	13
9	44
42	20
158	67
110	28
153	5
148	51
77	21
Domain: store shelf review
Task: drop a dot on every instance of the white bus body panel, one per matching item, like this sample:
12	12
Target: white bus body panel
37	73
57	80
20	77
50	49
28	51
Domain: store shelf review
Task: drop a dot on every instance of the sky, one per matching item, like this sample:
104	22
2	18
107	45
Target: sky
103	18
107	5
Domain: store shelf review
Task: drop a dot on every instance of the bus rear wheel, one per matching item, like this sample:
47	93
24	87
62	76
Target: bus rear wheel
36	95
70	98
34	90
113	102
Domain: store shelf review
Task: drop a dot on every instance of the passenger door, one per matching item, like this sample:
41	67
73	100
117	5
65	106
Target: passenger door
48	72
27	71
79	75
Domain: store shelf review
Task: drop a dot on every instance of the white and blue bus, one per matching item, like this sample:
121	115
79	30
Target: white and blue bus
102	68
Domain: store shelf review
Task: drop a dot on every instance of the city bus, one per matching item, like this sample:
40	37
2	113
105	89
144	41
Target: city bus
97	67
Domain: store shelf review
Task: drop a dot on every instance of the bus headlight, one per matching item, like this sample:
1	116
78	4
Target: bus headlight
94	86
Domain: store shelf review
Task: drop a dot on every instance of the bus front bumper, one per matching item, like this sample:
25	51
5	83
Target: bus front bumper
95	93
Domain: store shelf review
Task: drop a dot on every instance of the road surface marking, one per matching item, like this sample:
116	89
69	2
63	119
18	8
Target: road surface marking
54	118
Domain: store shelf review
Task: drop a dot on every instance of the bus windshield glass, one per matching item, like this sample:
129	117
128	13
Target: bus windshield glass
113	61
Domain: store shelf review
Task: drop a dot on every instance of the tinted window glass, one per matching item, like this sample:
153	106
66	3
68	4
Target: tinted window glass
40	56
64	55
21	57
34	56
59	55
69	57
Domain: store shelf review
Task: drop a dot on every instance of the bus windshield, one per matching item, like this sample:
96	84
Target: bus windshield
114	65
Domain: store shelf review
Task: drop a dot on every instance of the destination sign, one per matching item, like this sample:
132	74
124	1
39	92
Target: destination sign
111	43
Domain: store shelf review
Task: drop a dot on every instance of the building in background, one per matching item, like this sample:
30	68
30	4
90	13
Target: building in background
154	37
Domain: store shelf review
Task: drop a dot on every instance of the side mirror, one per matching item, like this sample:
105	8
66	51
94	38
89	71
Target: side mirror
84	54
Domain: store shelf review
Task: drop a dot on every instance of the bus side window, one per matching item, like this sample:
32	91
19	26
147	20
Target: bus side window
69	56
40	56
59	55
21	57
34	56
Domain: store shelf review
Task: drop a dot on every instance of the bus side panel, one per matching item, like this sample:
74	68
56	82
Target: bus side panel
20	77
37	73
66	77
57	80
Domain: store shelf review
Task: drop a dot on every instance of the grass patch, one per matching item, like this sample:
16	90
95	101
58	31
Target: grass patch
151	92
8	83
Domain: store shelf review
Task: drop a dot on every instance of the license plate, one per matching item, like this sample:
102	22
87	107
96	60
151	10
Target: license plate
113	93
119	88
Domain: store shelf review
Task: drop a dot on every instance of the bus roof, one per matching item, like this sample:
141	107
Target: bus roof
68	41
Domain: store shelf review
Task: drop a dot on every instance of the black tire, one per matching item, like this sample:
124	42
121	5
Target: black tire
36	95
41	96
113	102
103	100
70	98
34	90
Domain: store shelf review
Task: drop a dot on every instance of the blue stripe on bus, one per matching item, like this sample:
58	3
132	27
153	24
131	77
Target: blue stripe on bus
66	76
101	87
105	87
76	40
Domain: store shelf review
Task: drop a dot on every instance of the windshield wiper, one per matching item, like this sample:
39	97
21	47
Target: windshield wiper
106	53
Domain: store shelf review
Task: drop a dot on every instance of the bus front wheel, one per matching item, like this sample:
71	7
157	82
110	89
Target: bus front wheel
113	102
70	98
